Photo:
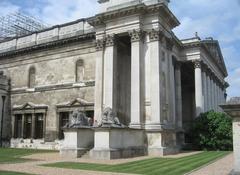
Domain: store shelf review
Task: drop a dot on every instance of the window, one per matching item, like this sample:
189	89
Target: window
63	120
79	70
18	126
39	126
32	77
28	126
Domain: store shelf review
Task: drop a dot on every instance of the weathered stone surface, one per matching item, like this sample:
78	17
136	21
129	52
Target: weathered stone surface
137	76
77	141
233	109
116	143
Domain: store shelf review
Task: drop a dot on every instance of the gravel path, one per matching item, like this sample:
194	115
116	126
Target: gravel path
221	167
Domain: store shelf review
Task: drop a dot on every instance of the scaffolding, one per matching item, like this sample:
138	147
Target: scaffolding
18	24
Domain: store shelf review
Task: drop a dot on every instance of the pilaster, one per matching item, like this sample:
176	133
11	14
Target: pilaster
178	85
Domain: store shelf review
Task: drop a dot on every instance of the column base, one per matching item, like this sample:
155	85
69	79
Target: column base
109	154
162	142
233	172
163	151
135	125
73	152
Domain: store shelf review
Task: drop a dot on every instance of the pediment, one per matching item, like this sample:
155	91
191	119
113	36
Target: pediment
215	51
75	103
29	106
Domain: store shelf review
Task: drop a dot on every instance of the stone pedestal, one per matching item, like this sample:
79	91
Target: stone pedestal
115	143
162	143
233	109
77	141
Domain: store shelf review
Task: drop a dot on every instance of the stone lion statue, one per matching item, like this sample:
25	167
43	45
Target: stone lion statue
78	119
109	119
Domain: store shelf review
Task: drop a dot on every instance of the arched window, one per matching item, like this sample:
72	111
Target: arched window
79	70
31	77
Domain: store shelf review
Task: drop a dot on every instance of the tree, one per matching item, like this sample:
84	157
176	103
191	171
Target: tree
212	131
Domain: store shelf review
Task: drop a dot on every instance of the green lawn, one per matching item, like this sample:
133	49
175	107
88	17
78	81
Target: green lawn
154	166
11	173
9	155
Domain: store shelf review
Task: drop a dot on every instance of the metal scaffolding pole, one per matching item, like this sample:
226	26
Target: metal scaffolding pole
18	24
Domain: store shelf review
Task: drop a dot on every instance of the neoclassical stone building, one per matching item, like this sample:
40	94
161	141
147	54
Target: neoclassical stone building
127	58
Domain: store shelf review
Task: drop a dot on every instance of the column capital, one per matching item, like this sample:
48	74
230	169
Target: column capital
197	64
169	43
100	43
136	35
110	40
178	64
155	35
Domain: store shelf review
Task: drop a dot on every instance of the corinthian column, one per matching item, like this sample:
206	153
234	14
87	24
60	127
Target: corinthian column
155	74
137	83
110	56
198	88
98	98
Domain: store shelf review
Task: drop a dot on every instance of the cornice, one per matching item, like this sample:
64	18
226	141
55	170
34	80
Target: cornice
51	44
161	8
54	87
202	45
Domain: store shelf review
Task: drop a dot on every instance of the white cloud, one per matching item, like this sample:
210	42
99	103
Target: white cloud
61	11
7	8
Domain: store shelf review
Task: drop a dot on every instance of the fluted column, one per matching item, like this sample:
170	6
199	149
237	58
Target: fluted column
155	74
212	90
98	98
198	88
215	95
110	56
208	92
178	86
204	81
137	74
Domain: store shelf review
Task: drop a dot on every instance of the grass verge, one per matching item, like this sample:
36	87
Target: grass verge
154	166
12	155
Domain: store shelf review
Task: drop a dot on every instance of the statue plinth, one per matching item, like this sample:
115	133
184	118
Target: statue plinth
115	143
77	141
232	108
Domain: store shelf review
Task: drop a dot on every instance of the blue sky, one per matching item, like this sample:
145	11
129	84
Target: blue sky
216	18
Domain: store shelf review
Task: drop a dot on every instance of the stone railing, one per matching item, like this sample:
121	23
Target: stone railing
54	33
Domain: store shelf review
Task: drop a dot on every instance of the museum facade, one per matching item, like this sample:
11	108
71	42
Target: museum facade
126	58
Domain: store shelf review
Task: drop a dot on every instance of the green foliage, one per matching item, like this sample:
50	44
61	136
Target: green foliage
212	131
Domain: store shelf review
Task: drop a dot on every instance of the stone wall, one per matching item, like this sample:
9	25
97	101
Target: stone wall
55	79
5	119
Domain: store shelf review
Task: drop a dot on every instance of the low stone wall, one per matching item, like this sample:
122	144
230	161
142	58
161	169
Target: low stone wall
35	144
